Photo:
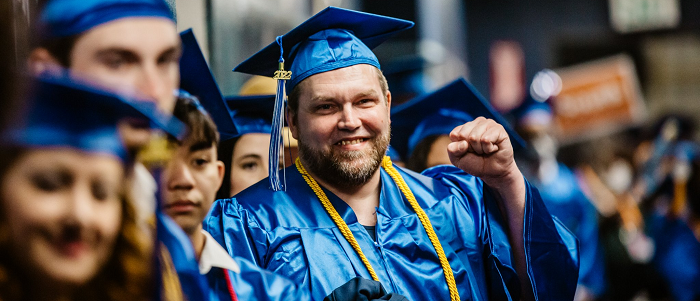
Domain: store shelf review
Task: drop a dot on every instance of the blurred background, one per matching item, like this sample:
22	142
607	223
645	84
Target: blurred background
467	38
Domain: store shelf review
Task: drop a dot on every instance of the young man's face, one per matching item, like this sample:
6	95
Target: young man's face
190	182
140	53
342	124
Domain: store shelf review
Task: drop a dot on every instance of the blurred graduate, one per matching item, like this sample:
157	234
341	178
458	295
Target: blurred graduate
132	47
561	193
477	231
68	229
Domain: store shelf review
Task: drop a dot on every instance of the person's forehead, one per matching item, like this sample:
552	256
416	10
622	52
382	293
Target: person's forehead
253	143
136	33
364	77
66	157
192	145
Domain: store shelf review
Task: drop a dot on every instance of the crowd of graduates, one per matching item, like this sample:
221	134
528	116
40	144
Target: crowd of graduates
125	174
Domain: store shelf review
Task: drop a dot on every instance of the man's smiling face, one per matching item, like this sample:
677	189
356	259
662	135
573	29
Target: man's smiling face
342	124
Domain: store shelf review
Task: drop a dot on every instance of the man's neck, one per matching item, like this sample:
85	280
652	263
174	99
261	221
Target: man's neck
363	199
198	239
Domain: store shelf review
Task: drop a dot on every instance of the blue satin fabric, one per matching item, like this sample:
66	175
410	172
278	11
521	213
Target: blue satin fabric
677	256
565	200
253	283
183	258
291	234
62	18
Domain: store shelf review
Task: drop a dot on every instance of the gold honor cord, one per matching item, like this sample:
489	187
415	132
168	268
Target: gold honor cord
386	163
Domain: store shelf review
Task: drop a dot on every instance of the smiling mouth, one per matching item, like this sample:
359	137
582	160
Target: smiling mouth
72	249
351	142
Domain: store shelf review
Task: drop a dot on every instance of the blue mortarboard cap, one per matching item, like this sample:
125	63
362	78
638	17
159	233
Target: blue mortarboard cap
440	123
251	114
332	39
197	79
440	112
405	75
62	18
64	112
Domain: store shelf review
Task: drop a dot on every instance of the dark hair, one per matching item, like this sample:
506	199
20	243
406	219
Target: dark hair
201	128
226	155
693	187
418	160
60	48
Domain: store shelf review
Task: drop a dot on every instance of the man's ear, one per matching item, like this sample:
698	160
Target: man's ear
292	125
40	61
221	169
388	103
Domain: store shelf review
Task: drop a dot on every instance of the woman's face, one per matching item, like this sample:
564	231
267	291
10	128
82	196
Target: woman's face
63	210
249	161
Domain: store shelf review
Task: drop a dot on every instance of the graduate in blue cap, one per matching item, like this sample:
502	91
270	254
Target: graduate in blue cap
69	231
194	175
477	231
562	193
190	182
672	219
129	44
421	127
677	239
122	45
247	161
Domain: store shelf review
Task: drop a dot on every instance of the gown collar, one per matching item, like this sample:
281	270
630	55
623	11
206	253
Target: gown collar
392	203
214	255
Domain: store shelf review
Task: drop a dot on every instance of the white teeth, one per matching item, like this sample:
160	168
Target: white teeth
356	141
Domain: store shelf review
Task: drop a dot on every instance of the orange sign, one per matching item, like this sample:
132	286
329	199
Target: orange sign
597	98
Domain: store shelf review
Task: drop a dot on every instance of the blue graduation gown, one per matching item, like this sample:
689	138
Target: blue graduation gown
252	283
249	281
565	200
182	257
289	232
677	256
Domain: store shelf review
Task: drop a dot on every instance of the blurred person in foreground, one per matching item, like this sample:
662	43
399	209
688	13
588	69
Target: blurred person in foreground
131	46
345	211
190	182
561	193
67	231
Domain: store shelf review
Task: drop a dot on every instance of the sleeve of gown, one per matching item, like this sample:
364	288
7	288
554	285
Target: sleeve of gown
592	271
551	250
258	284
231	226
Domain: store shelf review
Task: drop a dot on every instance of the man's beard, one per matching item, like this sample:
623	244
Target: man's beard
345	169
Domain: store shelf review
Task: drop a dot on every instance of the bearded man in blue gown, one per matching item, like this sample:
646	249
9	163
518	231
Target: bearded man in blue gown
473	231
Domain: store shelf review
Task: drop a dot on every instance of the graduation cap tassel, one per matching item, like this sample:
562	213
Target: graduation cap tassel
276	141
